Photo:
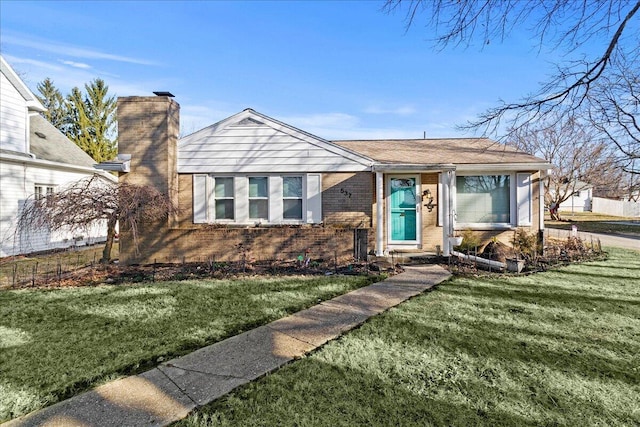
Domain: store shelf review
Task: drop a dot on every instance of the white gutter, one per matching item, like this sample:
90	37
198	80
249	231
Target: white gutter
400	168
510	167
11	158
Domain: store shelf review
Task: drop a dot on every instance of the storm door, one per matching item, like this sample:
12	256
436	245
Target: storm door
403	206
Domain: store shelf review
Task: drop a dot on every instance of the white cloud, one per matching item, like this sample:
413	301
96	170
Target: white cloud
397	111
69	50
77	64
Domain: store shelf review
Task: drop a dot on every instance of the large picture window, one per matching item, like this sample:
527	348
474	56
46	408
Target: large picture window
483	199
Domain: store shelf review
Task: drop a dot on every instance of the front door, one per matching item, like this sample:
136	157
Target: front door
403	205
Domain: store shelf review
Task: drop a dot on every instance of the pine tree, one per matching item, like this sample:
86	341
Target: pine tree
52	99
88	119
93	120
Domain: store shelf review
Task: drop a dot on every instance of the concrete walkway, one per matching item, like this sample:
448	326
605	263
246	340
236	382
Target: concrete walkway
169	392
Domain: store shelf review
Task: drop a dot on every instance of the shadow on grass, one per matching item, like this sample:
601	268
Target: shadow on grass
545	296
72	339
311	392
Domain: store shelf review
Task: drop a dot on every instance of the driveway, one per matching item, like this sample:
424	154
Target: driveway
626	241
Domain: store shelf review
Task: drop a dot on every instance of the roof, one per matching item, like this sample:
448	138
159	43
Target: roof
458	151
48	143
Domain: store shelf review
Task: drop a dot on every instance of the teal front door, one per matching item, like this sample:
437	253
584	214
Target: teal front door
403	209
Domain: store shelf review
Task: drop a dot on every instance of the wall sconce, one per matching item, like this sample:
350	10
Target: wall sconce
427	194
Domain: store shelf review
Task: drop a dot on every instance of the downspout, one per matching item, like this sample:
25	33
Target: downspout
379	213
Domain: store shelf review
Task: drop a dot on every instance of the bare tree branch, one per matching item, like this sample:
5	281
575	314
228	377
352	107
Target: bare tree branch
91	200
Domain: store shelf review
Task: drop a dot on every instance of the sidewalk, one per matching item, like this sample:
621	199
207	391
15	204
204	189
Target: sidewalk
616	241
169	392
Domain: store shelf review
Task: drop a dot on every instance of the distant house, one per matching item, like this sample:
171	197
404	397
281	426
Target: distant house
35	160
580	197
255	183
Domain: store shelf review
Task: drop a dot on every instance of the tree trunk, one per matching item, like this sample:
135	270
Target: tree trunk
111	233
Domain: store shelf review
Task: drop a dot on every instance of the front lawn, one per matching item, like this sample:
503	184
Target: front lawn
554	348
55	343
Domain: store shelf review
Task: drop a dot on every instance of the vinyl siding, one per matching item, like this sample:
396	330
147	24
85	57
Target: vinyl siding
18	182
260	149
13	118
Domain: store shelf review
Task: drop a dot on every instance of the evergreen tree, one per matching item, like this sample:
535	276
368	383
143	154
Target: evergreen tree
88	119
52	99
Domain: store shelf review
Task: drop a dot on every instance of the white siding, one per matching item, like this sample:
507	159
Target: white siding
18	182
13	118
239	146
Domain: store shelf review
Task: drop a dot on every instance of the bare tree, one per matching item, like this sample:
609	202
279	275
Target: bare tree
92	200
581	159
603	87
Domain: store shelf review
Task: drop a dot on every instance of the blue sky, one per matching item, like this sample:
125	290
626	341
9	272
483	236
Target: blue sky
338	69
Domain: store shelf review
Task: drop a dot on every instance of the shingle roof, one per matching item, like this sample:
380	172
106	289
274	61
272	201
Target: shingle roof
438	151
55	146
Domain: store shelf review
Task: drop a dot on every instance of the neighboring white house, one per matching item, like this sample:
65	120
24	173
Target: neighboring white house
36	159
580	199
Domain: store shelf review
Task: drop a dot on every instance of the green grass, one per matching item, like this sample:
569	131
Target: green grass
55	343
590	222
555	348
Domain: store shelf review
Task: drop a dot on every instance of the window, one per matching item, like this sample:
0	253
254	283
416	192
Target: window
267	199
259	197
224	199
42	190
292	197
483	199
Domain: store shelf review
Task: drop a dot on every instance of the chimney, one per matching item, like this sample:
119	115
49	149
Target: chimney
148	128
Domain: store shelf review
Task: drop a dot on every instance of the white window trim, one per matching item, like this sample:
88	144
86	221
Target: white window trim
487	225
268	199
304	199
46	190
212	199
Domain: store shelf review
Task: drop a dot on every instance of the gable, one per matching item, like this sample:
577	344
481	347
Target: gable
250	142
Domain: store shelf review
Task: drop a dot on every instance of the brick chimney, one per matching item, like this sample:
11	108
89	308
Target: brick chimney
148	128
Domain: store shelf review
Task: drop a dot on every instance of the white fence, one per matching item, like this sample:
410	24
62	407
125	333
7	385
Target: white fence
615	207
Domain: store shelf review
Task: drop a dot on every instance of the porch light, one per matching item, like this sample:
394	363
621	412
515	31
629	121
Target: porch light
427	194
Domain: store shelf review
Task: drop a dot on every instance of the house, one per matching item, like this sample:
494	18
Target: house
36	159
579	196
252	183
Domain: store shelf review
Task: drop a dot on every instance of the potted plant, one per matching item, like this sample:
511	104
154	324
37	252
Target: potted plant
515	265
455	240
